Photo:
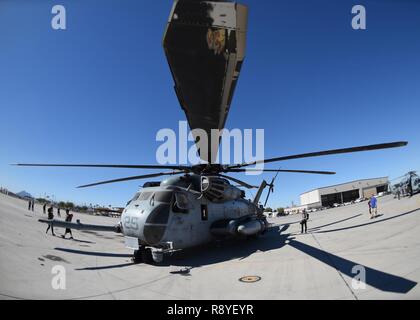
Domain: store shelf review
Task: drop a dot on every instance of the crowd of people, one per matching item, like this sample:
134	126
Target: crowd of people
50	215
404	191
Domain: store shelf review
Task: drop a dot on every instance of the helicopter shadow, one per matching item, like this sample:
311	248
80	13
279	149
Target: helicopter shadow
226	250
276	238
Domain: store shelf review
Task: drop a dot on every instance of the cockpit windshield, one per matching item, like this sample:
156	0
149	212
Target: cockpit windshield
140	196
158	196
145	195
136	196
163	196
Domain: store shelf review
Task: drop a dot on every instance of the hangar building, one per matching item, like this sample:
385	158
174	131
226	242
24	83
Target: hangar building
340	193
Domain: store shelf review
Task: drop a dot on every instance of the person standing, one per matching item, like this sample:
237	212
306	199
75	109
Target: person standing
303	222
44	207
410	186
69	217
58	212
32	204
50	217
29	204
373	204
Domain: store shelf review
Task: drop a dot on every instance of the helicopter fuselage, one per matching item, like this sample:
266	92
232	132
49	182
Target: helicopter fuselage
177	214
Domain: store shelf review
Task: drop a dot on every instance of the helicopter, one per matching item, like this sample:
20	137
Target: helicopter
204	43
409	184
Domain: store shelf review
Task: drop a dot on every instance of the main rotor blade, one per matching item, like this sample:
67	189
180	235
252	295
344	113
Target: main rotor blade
327	152
281	170
127	166
133	178
242	183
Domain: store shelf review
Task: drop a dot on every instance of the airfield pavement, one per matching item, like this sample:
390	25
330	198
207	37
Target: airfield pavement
317	265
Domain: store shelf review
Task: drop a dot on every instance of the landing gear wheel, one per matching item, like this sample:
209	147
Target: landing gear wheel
146	255
137	256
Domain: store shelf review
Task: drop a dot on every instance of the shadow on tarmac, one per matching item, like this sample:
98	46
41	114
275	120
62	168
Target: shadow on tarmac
274	239
332	223
115	266
95	253
368	223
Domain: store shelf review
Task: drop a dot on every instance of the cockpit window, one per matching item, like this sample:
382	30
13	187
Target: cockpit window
181	200
136	196
144	196
181	204
163	196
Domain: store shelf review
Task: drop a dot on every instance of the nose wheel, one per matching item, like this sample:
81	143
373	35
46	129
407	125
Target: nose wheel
143	255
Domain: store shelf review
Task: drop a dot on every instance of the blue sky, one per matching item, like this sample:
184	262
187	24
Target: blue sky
99	91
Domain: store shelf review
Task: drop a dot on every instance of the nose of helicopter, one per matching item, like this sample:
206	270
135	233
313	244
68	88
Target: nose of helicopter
156	223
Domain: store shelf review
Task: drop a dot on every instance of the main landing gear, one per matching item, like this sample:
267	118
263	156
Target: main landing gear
143	255
147	255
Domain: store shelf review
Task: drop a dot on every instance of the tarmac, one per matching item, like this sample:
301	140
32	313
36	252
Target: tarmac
341	247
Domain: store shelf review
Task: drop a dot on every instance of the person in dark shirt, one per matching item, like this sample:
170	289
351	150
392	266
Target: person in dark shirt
305	217
50	217
44	207
410	187
69	217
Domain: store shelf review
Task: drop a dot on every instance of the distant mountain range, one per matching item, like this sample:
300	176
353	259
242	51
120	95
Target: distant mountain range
24	194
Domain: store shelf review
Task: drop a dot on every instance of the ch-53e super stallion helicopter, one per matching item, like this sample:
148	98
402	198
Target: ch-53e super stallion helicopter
204	43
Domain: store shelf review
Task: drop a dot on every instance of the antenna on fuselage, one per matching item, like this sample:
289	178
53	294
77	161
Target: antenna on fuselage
271	189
